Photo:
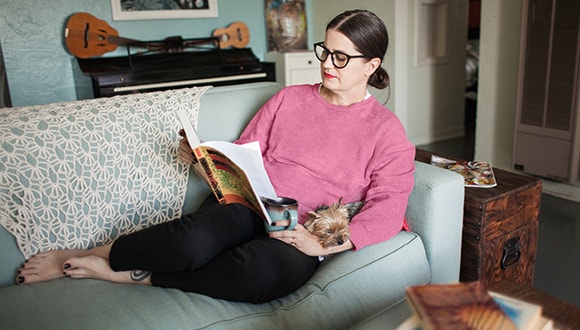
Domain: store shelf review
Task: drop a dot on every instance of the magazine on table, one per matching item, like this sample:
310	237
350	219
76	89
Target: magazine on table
234	173
476	174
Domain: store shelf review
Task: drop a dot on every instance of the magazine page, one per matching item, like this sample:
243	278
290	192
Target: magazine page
476	174
190	132
249	158
253	181
235	173
228	181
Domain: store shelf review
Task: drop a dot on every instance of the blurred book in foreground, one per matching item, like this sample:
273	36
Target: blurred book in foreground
469	305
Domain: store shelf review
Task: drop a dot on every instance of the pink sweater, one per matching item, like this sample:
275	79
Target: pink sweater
317	152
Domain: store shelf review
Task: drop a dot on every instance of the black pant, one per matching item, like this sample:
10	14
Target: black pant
221	251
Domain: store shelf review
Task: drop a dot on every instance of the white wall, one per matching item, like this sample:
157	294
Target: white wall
498	77
433	95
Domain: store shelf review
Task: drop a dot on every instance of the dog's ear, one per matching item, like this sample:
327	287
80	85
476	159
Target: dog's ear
320	208
353	208
312	214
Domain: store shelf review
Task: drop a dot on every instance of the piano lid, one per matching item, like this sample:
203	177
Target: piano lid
165	62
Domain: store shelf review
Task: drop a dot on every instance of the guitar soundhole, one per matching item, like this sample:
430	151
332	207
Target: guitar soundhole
86	38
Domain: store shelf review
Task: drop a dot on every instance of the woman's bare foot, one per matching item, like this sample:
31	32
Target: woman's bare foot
96	267
46	266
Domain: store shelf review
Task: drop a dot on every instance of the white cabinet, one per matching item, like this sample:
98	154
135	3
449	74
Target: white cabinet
297	67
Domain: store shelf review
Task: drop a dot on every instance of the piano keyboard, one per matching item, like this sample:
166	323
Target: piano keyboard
171	84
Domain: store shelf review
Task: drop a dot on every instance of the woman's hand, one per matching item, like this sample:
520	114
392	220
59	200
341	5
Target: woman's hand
185	152
306	242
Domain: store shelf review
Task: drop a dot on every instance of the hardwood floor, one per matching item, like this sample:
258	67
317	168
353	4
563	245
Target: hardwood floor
558	258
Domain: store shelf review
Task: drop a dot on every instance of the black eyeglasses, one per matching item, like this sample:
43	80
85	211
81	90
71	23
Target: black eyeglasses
339	59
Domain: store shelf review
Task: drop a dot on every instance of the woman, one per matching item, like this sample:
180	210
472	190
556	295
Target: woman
320	143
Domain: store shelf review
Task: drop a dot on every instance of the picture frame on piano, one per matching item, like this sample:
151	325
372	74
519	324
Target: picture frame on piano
163	9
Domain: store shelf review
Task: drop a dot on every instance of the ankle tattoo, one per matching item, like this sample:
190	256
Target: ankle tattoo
139	275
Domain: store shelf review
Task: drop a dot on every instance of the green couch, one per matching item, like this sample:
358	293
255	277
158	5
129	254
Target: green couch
363	289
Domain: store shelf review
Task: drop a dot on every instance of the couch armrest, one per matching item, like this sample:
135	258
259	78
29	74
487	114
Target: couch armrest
435	212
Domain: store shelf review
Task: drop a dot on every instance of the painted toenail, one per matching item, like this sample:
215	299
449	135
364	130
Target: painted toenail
66	266
20	279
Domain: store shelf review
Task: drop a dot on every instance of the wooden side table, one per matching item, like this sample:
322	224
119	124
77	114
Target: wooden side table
500	228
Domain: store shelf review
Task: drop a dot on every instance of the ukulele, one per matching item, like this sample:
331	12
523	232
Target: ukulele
87	36
236	35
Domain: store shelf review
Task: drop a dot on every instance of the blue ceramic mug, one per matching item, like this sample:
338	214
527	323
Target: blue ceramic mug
281	208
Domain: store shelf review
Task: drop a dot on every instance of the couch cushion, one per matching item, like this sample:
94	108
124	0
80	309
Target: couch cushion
345	290
10	258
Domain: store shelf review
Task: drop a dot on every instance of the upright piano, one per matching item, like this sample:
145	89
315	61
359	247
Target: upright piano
152	72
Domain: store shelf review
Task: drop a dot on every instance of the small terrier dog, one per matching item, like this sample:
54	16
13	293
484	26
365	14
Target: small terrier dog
330	223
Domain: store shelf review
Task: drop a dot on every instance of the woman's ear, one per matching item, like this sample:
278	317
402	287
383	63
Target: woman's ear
372	65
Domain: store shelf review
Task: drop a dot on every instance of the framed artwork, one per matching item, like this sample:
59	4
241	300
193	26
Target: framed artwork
162	9
286	24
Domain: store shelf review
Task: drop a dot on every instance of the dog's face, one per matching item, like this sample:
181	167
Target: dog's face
330	223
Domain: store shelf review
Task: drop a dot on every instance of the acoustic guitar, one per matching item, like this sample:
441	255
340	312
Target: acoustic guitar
87	36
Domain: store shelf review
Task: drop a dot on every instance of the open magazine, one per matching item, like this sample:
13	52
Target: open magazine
477	174
234	173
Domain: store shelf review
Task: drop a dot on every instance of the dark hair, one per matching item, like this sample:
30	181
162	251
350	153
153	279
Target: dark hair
369	36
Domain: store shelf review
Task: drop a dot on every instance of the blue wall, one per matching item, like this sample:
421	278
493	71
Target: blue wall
39	67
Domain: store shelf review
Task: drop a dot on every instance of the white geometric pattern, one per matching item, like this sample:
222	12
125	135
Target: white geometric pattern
79	174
